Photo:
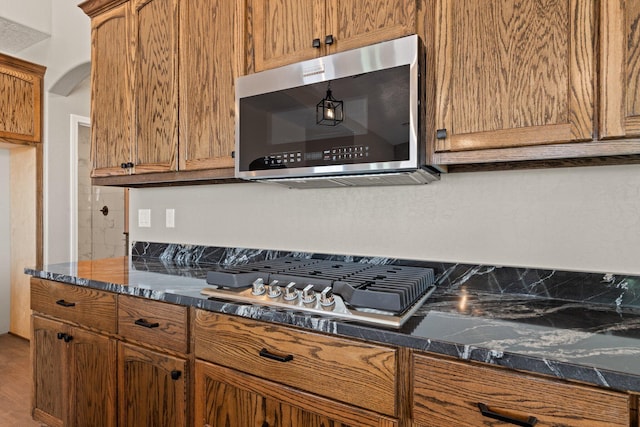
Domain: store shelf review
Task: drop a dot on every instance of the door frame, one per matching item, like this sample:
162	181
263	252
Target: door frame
75	122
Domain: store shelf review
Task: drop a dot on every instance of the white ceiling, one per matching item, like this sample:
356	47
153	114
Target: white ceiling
15	37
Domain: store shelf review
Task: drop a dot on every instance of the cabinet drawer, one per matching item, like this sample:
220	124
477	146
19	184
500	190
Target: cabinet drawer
89	307
450	393
350	371
153	322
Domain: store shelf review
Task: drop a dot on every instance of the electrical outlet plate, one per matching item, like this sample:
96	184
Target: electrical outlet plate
144	218
170	218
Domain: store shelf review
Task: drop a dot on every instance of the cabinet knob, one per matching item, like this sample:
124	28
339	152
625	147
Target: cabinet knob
316	43
175	375
441	134
65	337
329	39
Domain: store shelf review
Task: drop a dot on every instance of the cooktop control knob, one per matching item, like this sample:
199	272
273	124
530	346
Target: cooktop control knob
258	287
273	290
290	292
326	297
308	296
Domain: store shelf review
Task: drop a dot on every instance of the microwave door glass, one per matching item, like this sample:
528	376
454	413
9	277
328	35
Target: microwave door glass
281	129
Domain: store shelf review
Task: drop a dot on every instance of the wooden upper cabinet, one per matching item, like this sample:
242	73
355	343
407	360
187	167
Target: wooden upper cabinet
358	23
210	61
155	85
620	68
111	98
513	73
283	31
20	100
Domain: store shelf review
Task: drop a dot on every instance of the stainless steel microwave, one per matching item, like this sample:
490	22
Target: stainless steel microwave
351	118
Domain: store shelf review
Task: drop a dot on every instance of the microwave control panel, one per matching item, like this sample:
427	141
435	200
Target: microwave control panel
337	155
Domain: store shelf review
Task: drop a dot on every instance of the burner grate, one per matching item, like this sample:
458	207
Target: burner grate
390	288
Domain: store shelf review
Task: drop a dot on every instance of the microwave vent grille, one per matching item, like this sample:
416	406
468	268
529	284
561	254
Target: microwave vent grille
415	177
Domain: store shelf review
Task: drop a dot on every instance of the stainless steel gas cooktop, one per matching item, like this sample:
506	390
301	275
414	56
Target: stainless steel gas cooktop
384	295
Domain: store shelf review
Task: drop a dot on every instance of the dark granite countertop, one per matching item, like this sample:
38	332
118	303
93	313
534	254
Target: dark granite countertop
569	325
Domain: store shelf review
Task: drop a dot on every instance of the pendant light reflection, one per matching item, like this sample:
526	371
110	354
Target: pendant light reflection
329	111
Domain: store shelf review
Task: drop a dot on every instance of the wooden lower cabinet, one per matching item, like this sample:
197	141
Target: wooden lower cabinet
449	392
225	397
74	375
152	388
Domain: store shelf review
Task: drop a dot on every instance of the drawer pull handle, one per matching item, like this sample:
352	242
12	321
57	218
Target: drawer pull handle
524	421
65	303
142	322
265	353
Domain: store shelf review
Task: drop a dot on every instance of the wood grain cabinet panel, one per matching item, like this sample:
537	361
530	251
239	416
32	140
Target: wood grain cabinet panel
111	92
225	397
620	68
163	89
74	375
153	388
78	304
447	392
154	323
513	73
210	61
283	31
350	371
20	100
155	85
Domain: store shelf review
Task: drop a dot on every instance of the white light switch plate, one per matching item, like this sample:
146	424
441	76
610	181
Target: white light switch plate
170	218
144	218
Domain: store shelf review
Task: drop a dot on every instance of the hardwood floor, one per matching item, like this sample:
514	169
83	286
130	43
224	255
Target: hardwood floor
15	384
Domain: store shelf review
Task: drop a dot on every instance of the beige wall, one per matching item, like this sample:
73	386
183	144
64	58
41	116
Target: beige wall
5	241
567	218
68	47
23	235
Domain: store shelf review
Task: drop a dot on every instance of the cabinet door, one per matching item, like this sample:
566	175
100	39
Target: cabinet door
284	30
111	92
620	68
209	65
20	100
513	73
92	379
152	388
73	376
357	23
228	398
50	366
155	32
